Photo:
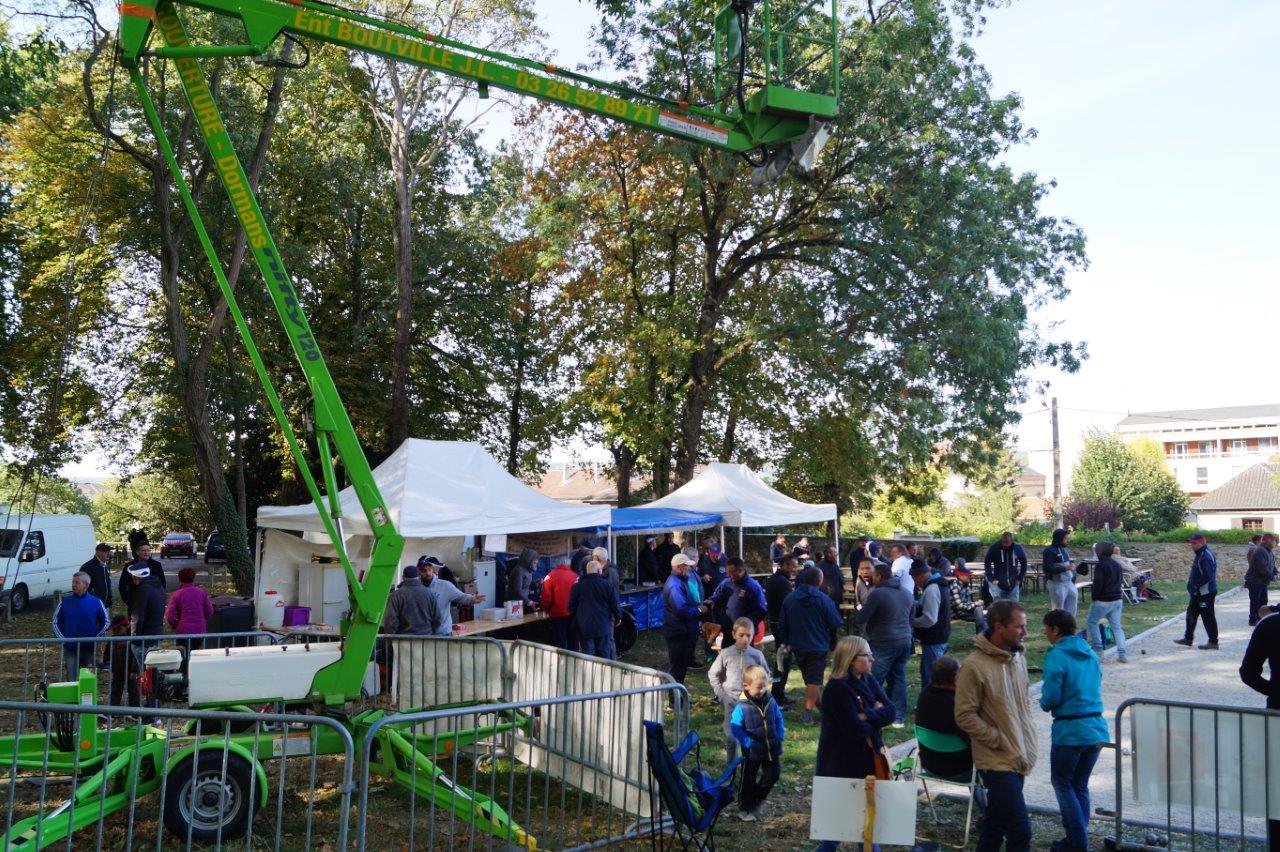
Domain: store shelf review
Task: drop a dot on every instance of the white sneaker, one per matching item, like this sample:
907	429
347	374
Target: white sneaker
898	725
746	816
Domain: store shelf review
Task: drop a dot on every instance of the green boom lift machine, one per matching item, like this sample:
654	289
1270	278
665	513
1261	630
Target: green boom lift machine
776	91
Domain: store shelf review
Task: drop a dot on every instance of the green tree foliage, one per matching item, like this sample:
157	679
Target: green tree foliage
1131	478
41	494
843	323
154	502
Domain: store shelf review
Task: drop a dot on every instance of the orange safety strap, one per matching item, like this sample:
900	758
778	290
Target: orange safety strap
137	11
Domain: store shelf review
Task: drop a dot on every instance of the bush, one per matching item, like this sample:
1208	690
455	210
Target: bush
1090	514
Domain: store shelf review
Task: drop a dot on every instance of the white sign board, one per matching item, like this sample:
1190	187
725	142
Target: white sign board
839	811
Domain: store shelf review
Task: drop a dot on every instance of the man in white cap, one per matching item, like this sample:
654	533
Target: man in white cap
681	617
146	615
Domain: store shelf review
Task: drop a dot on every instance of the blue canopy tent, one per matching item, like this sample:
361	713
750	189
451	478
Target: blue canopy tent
641	521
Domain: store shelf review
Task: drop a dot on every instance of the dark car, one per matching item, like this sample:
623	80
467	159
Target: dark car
178	544
214	548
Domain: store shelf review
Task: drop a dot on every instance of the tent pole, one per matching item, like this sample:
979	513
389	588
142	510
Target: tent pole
740	556
835	525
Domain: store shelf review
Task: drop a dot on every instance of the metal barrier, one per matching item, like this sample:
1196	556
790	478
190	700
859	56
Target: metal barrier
85	776
478	668
479	792
1213	768
26	663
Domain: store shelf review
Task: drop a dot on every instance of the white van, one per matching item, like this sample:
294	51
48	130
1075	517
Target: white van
40	553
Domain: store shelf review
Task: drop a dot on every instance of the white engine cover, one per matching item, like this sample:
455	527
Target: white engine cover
257	672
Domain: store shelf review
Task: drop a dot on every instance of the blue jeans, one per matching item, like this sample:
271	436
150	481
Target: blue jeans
600	646
1006	819
1069	769
1111	611
1257	599
1014	594
890	670
928	654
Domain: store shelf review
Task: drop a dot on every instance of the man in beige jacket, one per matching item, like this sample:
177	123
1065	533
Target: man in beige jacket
994	708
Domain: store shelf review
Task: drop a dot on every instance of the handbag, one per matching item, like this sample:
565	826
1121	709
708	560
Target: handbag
879	756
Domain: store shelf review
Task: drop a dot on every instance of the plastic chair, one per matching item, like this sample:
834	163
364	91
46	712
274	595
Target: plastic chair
693	799
949	744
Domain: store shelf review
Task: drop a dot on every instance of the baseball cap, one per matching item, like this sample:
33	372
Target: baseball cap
681	559
140	571
430	560
1196	537
409	572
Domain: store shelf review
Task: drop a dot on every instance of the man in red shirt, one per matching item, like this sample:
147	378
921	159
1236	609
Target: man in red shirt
554	600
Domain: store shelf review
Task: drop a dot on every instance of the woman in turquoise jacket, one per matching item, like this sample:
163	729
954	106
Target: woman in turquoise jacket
1072	692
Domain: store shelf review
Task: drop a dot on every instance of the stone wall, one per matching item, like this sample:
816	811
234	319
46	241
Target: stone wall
1169	561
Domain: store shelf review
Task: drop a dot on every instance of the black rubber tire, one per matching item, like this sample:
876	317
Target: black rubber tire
202	820
624	633
20	597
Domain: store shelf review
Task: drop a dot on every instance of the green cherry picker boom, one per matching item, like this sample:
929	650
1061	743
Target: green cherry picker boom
780	111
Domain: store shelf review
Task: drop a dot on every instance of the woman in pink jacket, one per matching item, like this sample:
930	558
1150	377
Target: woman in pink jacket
189	608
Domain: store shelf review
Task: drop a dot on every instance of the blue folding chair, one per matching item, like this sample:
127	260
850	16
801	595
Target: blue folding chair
694	800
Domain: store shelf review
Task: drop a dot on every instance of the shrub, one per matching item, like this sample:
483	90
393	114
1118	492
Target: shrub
1090	514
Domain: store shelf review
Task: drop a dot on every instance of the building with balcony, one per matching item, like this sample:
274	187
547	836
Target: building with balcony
1206	447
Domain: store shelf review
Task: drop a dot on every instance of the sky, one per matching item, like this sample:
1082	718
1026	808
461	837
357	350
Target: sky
1158	121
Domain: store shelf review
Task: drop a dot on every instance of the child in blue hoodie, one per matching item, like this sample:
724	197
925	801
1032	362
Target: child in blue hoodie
1072	692
757	724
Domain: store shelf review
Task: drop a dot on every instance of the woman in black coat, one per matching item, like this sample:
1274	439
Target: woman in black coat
854	709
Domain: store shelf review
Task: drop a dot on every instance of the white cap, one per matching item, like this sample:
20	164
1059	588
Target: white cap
142	572
681	559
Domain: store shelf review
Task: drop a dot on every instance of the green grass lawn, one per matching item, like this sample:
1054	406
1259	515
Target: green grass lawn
785	822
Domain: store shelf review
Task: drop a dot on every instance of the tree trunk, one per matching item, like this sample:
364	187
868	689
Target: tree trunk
401	168
730	445
624	460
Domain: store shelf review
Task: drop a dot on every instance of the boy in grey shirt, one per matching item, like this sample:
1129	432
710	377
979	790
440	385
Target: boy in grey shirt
726	673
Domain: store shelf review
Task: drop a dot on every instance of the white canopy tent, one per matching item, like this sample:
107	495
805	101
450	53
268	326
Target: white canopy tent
743	499
438	493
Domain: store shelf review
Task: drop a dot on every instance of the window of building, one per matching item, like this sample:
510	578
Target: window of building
1179	449
1251	523
1202	476
1238	445
1206	447
1268	445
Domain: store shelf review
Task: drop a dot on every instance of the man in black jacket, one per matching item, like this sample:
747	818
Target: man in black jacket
832	578
1006	566
146	612
776	589
155	574
1264	646
1106	601
99	570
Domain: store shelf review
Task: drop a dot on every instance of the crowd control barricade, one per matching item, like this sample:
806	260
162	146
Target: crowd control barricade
611	762
84	776
515	774
1207	774
431	671
27	663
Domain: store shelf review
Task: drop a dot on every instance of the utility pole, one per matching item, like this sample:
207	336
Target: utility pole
1057	464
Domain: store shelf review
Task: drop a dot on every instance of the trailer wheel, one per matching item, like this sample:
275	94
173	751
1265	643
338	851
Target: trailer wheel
201	799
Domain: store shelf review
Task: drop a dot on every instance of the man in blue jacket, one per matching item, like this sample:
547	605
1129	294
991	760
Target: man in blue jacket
1072	692
808	628
1005	566
1202	584
594	610
681	617
738	596
79	615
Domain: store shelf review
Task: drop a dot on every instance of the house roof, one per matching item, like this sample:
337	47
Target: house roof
1232	412
1251	490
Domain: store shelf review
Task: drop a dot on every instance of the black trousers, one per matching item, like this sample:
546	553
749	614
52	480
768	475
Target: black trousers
1257	599
680	654
757	780
1201	607
783	663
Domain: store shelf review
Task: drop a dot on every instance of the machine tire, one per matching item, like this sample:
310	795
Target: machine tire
192	797
20	598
